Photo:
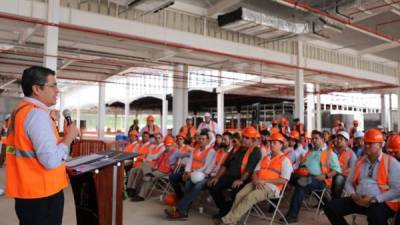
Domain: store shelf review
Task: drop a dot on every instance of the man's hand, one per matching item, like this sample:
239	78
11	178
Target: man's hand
213	181
71	133
237	183
365	201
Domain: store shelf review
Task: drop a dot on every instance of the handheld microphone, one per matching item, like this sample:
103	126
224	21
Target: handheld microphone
67	116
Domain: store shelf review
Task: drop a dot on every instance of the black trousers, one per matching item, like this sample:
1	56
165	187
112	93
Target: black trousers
377	214
40	211
337	186
218	191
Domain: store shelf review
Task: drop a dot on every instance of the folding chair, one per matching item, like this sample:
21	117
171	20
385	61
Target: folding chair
160	184
259	212
319	195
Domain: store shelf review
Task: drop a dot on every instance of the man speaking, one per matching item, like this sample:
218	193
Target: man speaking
35	170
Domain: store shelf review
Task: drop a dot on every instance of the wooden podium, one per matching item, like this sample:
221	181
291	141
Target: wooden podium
97	183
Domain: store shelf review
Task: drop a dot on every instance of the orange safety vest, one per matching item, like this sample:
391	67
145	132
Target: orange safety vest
184	131
271	169
382	178
220	157
26	177
155	151
325	161
184	149
143	152
245	159
131	147
344	160
156	130
199	158
163	164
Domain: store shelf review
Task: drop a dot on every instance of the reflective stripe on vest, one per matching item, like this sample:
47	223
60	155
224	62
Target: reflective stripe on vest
27	178
245	159
199	158
155	151
344	159
271	169
382	178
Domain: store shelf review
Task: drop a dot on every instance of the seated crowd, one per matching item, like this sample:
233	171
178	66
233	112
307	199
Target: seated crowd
360	172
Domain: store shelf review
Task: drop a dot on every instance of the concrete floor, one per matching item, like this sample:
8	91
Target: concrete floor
149	212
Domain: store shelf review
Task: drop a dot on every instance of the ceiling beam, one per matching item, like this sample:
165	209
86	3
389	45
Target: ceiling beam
220	6
7	83
65	63
161	55
378	48
28	33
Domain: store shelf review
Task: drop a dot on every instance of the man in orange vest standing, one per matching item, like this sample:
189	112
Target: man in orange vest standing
188	130
150	127
320	165
267	181
373	185
35	154
236	171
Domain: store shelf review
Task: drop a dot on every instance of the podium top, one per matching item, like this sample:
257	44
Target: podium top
95	161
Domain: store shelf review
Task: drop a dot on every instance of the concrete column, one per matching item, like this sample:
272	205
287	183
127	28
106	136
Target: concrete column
180	96
62	107
126	108
299	85
390	120
101	110
318	111
310	108
383	111
398	109
78	110
164	115
220	111
51	35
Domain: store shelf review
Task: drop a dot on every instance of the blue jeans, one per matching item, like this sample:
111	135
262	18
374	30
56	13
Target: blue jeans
175	179
191	192
299	194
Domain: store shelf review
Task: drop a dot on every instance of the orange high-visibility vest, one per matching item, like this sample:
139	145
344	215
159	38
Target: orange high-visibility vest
382	178
163	164
271	169
192	131
344	160
156	130
26	177
325	161
220	157
143	151
131	147
245	159
199	158
184	149
155	151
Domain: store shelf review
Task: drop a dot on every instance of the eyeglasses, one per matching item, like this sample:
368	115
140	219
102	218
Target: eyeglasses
53	85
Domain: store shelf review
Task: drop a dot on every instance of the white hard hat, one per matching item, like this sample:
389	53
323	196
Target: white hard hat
359	134
207	114
344	134
196	177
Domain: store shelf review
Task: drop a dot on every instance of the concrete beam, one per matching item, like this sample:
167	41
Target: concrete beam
28	33
378	48
220	6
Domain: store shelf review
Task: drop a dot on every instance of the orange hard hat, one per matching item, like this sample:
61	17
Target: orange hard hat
274	130
355	122
150	118
373	135
250	132
303	172
294	135
181	134
133	133
168	140
278	137
274	122
394	143
170	199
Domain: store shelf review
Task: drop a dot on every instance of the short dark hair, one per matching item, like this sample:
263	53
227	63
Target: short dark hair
205	134
34	75
144	133
227	133
236	135
317	132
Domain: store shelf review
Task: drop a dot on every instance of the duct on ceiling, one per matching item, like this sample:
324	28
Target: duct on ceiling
258	24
